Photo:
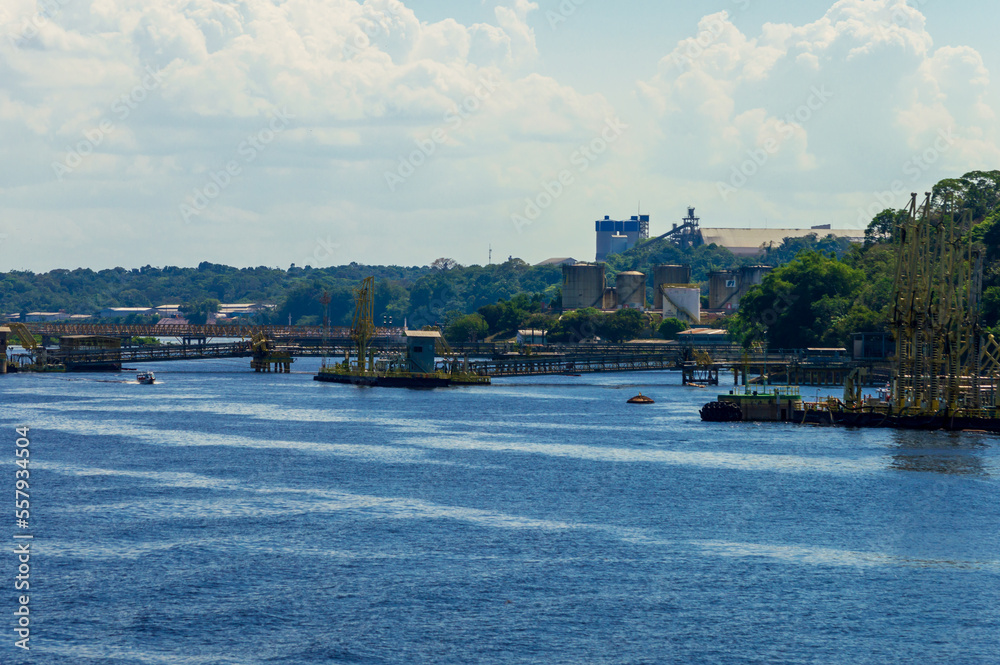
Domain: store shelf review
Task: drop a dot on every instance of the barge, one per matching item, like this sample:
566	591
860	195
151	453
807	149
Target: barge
418	367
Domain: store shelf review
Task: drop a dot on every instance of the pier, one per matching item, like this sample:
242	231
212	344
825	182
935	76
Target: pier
275	348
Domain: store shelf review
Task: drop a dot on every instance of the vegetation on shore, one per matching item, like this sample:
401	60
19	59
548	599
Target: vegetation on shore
819	299
822	290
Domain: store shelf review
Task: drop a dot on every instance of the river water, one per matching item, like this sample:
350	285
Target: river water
222	516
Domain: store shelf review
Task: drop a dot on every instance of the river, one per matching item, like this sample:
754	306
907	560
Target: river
221	516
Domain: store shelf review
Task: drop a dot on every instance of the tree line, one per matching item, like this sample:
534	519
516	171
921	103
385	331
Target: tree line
822	290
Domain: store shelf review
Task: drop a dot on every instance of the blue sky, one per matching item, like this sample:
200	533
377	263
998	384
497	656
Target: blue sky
262	132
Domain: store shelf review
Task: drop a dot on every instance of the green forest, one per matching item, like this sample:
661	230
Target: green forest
822	290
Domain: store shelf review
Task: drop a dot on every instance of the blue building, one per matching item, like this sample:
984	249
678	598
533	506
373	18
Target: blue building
615	237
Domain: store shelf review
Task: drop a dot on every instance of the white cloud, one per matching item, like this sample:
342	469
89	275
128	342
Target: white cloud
363	80
720	94
368	82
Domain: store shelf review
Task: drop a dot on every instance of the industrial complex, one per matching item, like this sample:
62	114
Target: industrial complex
945	372
617	237
670	290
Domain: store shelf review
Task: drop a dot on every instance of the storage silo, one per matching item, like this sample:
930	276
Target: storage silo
724	289
752	275
631	290
682	302
583	286
668	274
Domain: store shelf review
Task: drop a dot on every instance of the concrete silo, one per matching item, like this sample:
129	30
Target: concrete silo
631	287
682	302
668	274
726	288
583	286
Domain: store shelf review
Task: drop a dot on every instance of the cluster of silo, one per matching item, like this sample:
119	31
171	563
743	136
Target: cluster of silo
671	275
675	295
583	286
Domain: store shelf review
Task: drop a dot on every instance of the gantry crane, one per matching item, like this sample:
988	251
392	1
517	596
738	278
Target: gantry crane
943	362
363	330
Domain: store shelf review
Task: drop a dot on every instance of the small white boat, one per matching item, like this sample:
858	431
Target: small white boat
145	377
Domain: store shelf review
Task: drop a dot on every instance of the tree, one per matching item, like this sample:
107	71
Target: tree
444	264
576	326
508	316
623	325
991	306
884	226
796	303
670	327
133	298
468	328
197	313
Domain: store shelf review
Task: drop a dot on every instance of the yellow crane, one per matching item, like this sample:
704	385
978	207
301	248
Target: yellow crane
363	330
941	353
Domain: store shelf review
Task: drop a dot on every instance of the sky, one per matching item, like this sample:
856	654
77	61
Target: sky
325	132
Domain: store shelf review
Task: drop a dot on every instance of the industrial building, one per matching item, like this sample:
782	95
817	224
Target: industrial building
115	312
420	350
754	242
584	285
32	317
558	261
727	287
531	336
617	237
704	337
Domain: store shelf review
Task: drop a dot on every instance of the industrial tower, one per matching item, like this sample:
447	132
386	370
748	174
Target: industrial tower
944	364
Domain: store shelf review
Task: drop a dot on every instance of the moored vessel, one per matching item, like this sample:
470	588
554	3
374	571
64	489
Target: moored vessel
418	367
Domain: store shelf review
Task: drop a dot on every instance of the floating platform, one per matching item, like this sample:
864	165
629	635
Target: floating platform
764	404
784	404
983	420
401	379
